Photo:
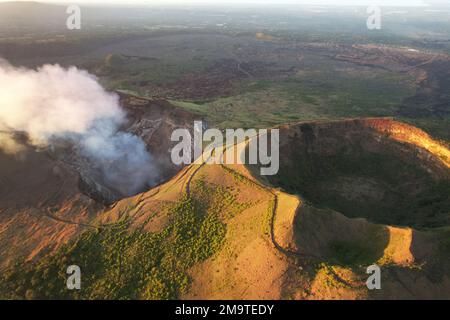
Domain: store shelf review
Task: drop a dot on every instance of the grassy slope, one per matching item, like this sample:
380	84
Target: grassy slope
119	263
126	260
307	96
217	244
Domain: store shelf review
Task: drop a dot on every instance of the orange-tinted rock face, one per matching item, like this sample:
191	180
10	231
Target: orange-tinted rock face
380	169
373	168
49	196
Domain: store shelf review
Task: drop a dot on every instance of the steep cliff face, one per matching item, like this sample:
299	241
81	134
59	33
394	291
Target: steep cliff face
219	232
51	195
380	169
414	136
154	121
151	120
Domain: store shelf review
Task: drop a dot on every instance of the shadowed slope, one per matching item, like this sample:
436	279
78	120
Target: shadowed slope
380	169
217	232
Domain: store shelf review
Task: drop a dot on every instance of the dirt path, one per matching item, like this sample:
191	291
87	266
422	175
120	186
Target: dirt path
280	248
275	207
81	224
189	179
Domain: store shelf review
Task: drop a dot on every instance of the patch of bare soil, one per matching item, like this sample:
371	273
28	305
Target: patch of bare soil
49	196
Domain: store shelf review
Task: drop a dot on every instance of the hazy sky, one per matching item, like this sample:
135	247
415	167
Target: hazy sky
313	2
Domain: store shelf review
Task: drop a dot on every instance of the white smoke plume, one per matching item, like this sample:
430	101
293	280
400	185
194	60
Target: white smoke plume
8	145
57	103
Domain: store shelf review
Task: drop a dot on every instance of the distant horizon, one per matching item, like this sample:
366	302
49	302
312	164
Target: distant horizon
324	3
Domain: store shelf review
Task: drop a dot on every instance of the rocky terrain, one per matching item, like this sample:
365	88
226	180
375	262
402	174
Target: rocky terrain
222	232
86	176
379	169
49	195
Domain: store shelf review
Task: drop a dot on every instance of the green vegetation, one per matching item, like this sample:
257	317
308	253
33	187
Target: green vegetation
350	253
437	127
133	73
323	94
360	253
438	267
119	263
338	181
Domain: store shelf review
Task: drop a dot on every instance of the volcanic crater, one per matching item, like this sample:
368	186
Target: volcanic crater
379	169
